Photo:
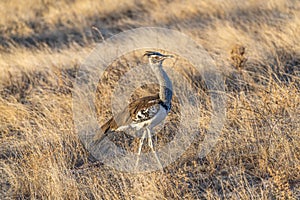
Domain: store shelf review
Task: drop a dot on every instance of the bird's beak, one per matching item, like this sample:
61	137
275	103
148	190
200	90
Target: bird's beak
168	56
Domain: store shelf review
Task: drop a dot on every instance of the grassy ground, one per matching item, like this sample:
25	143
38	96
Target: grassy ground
255	46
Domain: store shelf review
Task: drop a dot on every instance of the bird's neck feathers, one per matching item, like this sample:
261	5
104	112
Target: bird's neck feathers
165	91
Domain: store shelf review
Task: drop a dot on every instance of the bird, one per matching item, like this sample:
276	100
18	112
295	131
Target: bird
147	112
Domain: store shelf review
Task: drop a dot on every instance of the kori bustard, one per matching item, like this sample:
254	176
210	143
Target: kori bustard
145	113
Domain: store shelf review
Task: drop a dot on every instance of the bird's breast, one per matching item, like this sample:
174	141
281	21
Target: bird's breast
159	117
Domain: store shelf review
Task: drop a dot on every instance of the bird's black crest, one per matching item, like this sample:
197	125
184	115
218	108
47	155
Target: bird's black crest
153	53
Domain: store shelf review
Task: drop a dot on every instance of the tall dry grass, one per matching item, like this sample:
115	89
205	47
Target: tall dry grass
42	44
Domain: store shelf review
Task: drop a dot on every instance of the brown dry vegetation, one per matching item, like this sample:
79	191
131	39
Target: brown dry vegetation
256	47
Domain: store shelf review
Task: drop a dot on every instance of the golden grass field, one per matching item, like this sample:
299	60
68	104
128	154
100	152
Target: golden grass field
255	46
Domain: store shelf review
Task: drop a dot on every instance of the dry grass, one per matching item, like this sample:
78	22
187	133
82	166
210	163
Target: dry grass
42	44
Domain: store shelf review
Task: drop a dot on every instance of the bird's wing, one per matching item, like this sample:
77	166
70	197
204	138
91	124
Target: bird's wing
144	109
137	111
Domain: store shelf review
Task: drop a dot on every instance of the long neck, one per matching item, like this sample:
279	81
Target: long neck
165	90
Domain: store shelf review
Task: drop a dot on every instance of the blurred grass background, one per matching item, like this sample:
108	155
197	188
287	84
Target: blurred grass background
255	45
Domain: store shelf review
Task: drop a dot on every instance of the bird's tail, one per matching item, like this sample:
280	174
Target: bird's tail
105	130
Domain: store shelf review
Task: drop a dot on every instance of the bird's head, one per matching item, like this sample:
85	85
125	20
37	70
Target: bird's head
156	57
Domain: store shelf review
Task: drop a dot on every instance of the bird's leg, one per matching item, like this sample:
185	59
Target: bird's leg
140	149
151	146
